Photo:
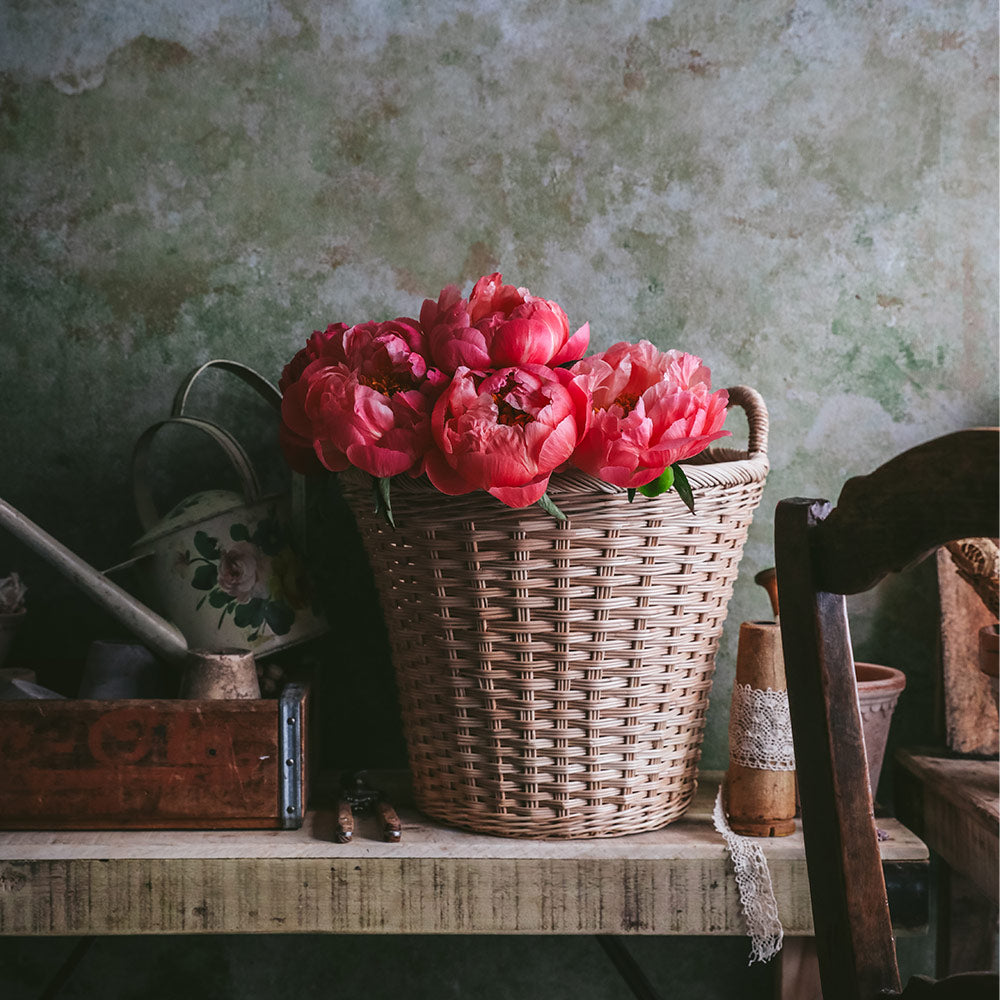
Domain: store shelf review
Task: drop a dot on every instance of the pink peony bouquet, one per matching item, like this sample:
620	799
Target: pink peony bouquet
492	392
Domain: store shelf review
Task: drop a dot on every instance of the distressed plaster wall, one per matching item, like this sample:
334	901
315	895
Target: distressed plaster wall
803	193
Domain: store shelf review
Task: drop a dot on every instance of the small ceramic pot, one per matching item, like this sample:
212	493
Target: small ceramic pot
226	674
879	688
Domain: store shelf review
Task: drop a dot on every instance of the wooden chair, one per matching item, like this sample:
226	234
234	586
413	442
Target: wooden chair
943	490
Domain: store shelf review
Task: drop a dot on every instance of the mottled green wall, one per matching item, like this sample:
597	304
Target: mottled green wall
804	194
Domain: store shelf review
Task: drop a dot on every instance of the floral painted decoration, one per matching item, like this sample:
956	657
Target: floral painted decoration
253	575
493	392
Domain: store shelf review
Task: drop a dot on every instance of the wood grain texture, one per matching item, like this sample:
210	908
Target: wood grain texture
970	711
966	926
853	930
955	805
892	518
798	970
438	880
176	763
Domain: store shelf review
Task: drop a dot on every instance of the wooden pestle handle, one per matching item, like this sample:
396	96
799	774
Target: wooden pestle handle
768	579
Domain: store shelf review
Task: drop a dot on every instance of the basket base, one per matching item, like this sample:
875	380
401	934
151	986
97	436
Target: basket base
546	824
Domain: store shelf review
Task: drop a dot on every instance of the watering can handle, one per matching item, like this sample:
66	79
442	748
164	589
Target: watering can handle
144	505
255	380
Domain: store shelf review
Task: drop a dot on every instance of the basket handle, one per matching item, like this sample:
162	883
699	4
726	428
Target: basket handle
144	504
753	405
255	380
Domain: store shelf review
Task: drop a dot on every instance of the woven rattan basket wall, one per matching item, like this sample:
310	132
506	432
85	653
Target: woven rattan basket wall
554	675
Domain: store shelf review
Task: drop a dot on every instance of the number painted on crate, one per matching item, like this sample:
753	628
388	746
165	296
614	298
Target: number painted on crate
141	736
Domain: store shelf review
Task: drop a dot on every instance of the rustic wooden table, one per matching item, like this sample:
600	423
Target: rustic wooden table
954	804
437	880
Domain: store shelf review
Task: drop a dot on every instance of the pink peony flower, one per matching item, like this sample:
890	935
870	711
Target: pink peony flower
371	409
295	431
328	343
505	432
650	409
497	327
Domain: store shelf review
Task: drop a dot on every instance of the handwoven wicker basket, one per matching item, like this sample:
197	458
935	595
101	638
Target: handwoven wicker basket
554	675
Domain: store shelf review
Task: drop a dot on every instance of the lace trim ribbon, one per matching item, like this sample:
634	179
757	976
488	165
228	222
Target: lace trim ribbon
753	880
760	729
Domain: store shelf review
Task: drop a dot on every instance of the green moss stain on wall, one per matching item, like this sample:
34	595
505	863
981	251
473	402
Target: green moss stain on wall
872	355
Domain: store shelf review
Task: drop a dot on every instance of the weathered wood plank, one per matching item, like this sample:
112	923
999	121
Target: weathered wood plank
896	515
966	926
954	804
970	711
437	880
798	970
143	764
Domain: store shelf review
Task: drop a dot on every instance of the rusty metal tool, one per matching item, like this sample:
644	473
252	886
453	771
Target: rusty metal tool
358	798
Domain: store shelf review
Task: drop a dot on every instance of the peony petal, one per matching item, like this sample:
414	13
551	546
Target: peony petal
293	410
379	461
521	496
298	451
443	476
331	457
454	347
574	348
520	342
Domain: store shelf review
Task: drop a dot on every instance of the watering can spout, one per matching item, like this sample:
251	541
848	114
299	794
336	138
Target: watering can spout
162	637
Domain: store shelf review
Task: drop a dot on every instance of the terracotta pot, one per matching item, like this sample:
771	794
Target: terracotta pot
879	688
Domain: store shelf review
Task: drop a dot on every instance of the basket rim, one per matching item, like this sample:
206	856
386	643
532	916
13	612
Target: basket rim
724	472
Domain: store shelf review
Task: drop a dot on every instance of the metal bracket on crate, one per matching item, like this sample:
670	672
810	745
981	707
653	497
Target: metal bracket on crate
290	726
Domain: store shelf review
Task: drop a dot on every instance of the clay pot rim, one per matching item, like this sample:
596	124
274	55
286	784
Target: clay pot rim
877	676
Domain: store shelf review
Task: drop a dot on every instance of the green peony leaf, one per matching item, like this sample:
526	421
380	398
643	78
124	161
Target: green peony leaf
383	505
683	487
631	493
547	504
660	484
239	533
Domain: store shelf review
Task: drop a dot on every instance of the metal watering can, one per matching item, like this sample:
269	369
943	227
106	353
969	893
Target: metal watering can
218	571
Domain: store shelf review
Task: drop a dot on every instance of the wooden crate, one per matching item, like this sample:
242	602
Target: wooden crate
158	764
